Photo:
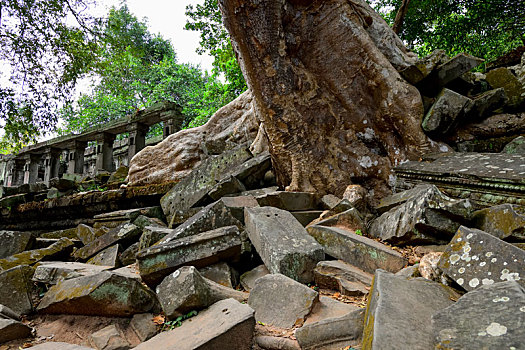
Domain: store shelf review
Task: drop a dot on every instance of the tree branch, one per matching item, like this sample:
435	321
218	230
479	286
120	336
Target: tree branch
400	16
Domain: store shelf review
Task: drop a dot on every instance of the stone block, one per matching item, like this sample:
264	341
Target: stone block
104	294
127	257
327	308
14	242
226	324
449	109
151	235
109	338
350	220
142	221
427	217
290	201
11	330
7	313
62	184
283	243
125	234
130	214
221	273
236	205
16	289
490	317
357	196
62	248
505	221
58	346
475	258
186	290
306	216
280	343
107	257
55	271
398	315
230	185
503	78
200	250
143	326
342	277
362	252
252	172
280	301
516	146
423	67
248	278
85	233
70	233
328	201
484	104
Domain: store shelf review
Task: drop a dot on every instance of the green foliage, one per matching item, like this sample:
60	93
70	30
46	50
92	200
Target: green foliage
358	232
169	325
484	28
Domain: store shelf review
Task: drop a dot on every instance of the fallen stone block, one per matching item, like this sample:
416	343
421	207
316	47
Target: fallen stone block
398	315
423	67
428	216
328	201
130	215
248	278
14	242
186	290
340	276
11	330
475	258
349	220
516	146
221	273
226	324
16	289
104	294
107	257
280	301
340	207
109	338
490	317
327	308
505	221
503	78
143	326
55	271
362	252
306	216
272	343
151	235
332	333
290	201
484	104
199	250
58	346
230	185
86	233
283	243
449	109
62	184
7	313
252	172
61	249
125	234
70	233
142	221
127	257
237	204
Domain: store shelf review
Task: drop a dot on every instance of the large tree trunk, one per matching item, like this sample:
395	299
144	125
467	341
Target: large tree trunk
400	16
334	108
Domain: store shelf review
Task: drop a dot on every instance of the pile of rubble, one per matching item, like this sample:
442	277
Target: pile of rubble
226	262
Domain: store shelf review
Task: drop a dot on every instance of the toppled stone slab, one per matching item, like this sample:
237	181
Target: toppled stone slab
86	233
62	248
130	214
107	257
449	108
59	346
221	273
423	67
151	235
199	250
186	290
7	313
362	252
332	333
282	242
14	242
342	277
103	294
484	104
475	258
226	324
56	271
326	308
125	234
490	317
398	315
504	221
252	172
230	185
516	146
194	187
428	216
328	201
248	278
349	220
503	78
290	201
143	326
237	204
280	301
142	221
109	338
11	330
279	343
306	216
16	289
127	257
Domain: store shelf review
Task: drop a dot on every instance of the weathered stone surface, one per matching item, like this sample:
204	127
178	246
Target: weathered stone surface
398	315
199	250
363	252
143	326
127	257
119	176
109	338
178	154
356	195
445	113
428	268
55	271
13	242
70	233
124	234
62	184
253	172
326	308
221	273
306	216
399	198
227	324
423	67
59	346
428	216
349	220
151	235
7	313
307	91
502	221
282	242
484	104
332	333
103	294
516	146
475	258
230	185
268	342
237	204
86	233
289	201
248	278
186	290
280	301
328	201
503	78
342	277
130	214
16	289
62	248
142	221
490	317
194	187
107	257
11	330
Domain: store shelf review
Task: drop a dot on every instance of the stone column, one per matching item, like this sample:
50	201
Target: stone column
31	168
75	158
137	139
171	121
15	172
51	164
105	151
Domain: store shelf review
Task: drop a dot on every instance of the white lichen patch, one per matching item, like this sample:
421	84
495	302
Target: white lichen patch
487	281
469	236
522	309
489	254
482	263
495	329
482	333
473	283
461	270
506	275
493	260
500	299
460	281
454	258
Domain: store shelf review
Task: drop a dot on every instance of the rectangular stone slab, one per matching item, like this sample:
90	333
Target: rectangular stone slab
475	258
61	248
199	250
54	271
125	233
13	242
282	242
15	291
363	252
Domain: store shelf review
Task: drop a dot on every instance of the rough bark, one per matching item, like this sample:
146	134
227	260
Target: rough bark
400	16
334	108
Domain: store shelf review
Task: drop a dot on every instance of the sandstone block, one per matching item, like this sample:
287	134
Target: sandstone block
13	242
109	338
55	271
125	234
11	330
62	248
221	273
16	289
342	277
290	201
503	221
503	78
449	109
248	278
107	257
143	326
